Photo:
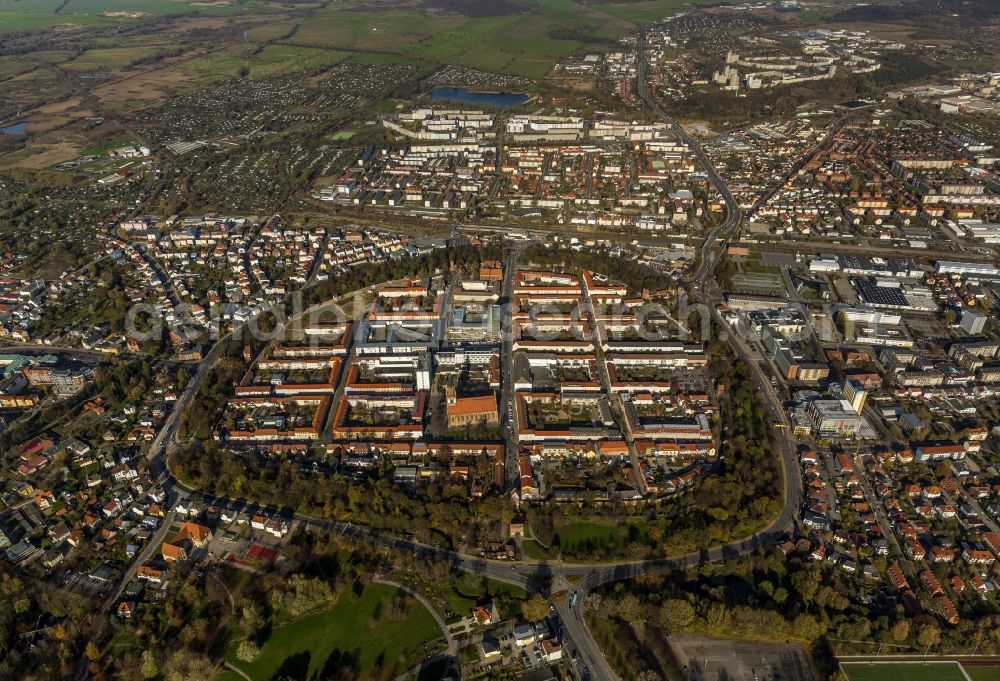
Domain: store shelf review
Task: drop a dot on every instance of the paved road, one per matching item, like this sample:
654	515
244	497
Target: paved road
252	233
157	459
159	451
878	508
987	518
700	287
165	281
722	231
508	422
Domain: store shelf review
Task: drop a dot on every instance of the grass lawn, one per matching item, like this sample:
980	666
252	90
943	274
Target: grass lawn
581	531
344	636
983	673
533	549
897	671
463	595
580	537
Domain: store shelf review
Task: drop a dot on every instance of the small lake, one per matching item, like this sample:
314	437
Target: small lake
500	100
15	129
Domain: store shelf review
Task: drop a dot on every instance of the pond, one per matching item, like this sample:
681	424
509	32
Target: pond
500	100
15	129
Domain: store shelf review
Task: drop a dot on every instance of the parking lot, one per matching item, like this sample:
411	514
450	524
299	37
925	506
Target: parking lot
704	659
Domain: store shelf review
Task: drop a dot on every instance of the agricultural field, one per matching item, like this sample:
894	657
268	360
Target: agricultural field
355	633
213	67
272	30
31	14
390	31
35	59
642	12
45	6
532	44
904	671
108	58
277	60
526	44
305	38
470	36
273	60
28	21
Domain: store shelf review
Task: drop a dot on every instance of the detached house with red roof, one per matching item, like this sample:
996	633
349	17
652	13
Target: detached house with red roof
173	553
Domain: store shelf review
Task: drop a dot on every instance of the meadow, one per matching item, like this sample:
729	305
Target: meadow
526	44
643	12
355	633
107	58
273	60
387	31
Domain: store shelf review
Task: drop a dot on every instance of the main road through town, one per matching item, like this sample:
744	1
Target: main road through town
717	237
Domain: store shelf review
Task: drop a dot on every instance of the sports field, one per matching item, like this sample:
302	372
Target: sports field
904	671
982	673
